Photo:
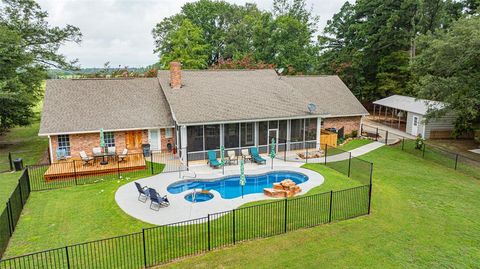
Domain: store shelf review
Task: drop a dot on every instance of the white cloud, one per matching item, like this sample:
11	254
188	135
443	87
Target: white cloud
119	31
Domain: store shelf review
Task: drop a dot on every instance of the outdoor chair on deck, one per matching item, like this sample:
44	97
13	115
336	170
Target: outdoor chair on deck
85	158
97	152
231	157
111	152
156	199
256	157
61	154
123	156
212	159
142	192
246	155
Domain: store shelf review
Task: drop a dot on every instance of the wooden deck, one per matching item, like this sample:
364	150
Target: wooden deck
76	168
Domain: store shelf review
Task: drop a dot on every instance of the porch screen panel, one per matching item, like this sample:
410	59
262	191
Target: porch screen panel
248	134
212	137
263	133
273	124
310	129
296	130
231	135
282	131
195	138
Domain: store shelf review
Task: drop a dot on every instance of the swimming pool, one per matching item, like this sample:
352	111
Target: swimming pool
229	187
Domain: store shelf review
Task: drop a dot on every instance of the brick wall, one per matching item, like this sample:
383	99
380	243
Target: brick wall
349	123
87	142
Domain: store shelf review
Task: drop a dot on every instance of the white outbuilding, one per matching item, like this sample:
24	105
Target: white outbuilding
409	114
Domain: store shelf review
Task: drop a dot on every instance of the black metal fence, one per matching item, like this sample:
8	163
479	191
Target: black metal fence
340	160
28	157
12	210
427	151
158	245
77	172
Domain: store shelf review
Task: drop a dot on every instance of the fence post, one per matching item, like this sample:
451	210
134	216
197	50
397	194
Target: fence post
369	197
234	237
27	174
74	172
349	163
326	151
208	217
68	257
144	249
331	202
285	152
403	143
151	162
423	151
286	212
20	190
361	129
118	167
376	135
9	217
306	155
456	161
386	137
10	161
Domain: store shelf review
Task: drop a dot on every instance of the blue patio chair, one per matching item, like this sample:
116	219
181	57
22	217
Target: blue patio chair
256	157
156	199
61	154
212	159
142	192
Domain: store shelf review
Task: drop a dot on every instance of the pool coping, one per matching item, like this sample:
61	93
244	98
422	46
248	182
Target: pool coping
181	210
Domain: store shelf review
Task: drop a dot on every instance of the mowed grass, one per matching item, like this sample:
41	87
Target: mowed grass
356	143
423	216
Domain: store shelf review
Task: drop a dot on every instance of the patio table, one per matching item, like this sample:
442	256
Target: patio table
103	155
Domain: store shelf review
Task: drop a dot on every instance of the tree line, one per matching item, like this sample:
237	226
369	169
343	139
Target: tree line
377	47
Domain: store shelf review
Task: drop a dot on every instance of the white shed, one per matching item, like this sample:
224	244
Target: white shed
414	111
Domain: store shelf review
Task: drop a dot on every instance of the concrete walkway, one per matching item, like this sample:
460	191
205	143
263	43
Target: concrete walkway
181	210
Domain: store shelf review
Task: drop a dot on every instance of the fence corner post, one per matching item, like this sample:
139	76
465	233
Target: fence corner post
286	214
423	151
386	137
456	161
326	153
369	197
331	202
349	163
208	229
74	172
144	249
403	142
10	161
67	256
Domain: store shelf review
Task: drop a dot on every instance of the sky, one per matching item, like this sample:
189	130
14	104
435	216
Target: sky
119	31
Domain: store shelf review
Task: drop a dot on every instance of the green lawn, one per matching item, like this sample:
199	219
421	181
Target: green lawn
423	216
356	143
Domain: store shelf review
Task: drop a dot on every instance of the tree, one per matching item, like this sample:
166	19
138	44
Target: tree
448	70
188	46
28	45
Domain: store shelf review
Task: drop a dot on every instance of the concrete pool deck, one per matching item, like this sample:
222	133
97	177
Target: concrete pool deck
182	210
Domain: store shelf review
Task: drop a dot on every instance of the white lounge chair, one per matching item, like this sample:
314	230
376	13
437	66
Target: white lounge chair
85	158
123	156
246	155
231	156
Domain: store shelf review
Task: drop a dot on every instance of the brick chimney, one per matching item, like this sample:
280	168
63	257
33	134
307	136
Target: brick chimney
175	75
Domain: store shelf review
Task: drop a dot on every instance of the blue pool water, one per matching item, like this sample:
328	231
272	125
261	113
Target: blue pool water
229	187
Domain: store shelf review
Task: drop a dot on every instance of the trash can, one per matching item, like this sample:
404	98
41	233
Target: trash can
146	150
18	164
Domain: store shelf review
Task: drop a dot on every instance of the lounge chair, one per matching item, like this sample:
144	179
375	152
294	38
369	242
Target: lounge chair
142	192
97	151
212	159
246	155
85	158
156	199
256	157
123	156
231	157
111	152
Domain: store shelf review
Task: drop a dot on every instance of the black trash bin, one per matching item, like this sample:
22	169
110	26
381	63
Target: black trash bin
18	164
146	150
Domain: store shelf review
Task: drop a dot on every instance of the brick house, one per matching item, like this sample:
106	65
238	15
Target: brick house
196	111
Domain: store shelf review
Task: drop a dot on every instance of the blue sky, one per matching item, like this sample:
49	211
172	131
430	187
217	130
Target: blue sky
119	31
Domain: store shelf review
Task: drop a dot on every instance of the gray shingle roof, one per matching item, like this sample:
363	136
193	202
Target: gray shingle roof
116	104
236	95
410	104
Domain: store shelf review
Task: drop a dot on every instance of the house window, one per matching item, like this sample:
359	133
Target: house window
109	139
168	133
64	143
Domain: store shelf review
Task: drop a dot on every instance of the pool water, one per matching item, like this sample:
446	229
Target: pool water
229	187
198	197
